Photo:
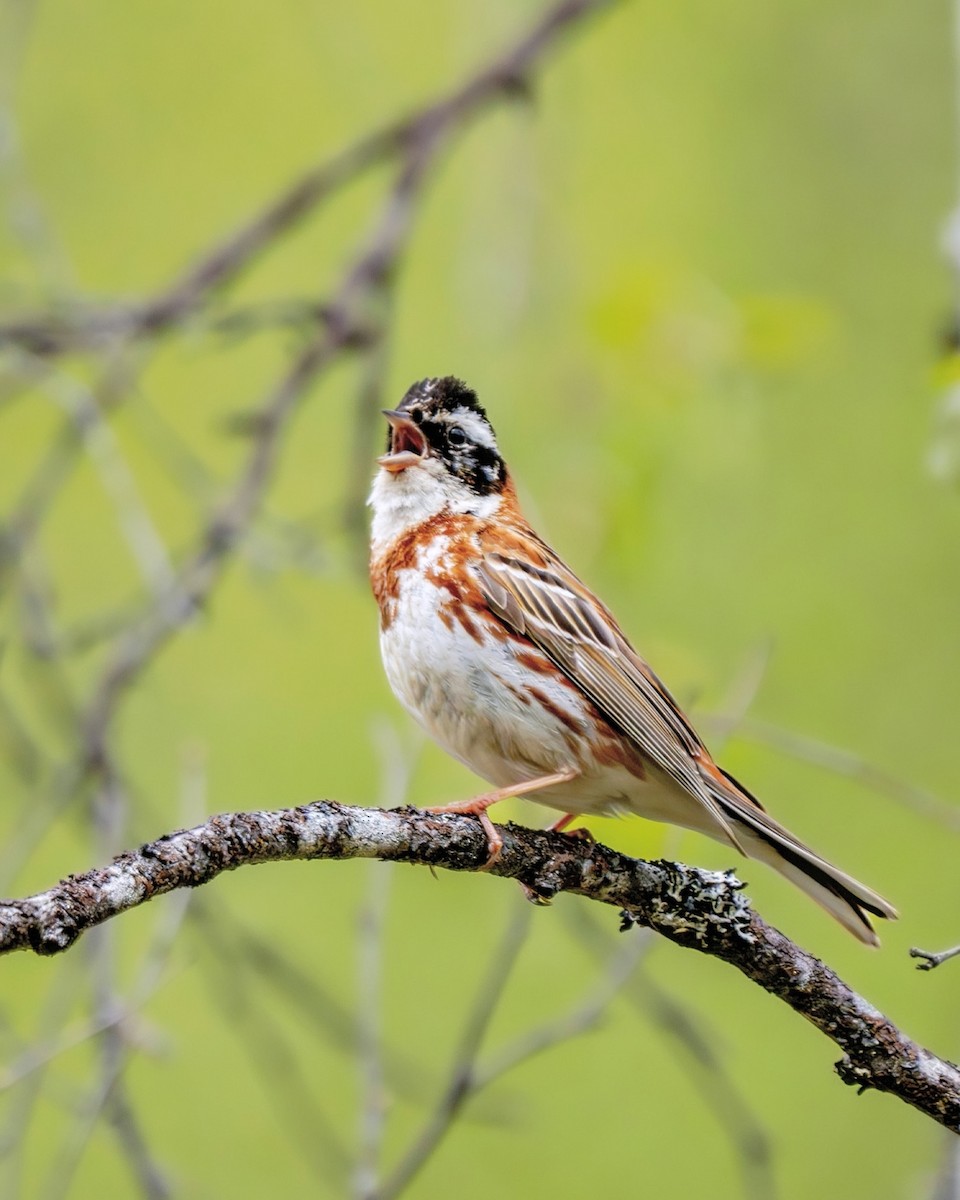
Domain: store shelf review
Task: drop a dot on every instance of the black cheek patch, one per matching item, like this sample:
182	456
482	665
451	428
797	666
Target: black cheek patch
479	467
482	469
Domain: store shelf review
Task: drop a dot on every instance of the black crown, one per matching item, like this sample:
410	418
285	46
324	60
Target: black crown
443	394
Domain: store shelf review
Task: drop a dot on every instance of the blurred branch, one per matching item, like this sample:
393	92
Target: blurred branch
371	928
75	753
943	451
732	1110
94	328
197	575
461	1082
469	1076
946	1186
347	327
120	484
581	1019
845	763
62	453
698	909
27	219
274	1052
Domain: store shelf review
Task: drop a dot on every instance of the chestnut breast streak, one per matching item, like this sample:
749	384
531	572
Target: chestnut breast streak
415	550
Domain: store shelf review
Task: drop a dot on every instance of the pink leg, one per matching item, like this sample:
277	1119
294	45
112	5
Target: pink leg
561	824
477	806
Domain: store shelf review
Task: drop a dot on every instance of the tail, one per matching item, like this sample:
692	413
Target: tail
763	838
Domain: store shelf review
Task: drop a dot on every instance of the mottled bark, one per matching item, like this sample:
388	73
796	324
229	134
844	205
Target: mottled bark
701	910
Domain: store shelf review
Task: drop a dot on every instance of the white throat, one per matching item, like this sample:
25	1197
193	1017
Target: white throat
405	499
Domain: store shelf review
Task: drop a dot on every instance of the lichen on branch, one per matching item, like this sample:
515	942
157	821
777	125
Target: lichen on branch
701	910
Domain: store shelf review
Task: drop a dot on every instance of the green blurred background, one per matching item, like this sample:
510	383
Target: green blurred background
696	283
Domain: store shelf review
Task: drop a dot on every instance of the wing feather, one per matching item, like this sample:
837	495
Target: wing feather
573	629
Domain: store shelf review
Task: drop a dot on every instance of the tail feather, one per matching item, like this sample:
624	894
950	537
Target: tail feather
844	897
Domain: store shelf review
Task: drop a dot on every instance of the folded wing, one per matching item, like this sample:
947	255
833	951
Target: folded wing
551	607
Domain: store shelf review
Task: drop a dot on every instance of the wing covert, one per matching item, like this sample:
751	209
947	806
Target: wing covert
551	606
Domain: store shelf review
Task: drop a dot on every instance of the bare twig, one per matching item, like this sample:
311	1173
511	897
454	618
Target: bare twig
153	974
348	327
728	1104
850	765
62	452
396	766
133	517
149	1178
369	1033
272	1051
461	1082
930	959
106	1097
27	220
469	1076
367	409
348	314
52	1018
109	1098
504	78
18	746
581	1019
701	910
946	1186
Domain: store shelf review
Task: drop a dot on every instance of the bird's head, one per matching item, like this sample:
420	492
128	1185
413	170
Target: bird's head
441	455
440	427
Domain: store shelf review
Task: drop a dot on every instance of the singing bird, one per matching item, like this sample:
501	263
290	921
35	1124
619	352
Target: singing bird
515	667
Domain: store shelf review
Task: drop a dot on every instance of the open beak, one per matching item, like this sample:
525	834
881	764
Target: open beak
408	446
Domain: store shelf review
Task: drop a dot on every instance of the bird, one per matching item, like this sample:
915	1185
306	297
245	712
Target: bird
515	668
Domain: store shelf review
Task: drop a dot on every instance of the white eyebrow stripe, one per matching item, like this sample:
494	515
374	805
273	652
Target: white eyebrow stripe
475	427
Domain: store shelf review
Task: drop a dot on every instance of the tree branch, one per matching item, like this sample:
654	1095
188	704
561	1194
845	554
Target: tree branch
95	327
701	910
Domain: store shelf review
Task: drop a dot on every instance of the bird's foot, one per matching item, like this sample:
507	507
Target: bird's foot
477	807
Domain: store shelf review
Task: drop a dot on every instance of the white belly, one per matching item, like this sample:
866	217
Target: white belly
469	698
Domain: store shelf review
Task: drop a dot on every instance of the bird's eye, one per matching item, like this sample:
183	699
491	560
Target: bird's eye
456	436
417	416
